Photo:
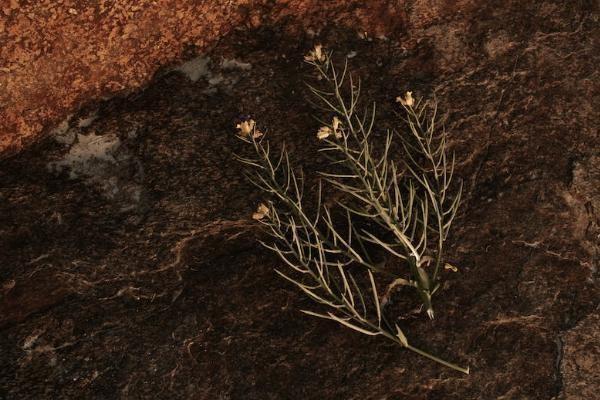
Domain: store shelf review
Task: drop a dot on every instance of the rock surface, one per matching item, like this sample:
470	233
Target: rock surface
581	353
130	266
57	56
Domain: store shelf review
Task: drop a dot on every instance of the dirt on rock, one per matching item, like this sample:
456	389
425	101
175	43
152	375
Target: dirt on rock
130	262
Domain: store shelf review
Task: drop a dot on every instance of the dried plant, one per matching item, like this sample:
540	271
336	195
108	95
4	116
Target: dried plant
402	208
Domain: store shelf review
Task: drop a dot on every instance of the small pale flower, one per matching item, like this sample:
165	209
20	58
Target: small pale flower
337	127
316	54
257	134
450	267
407	101
246	128
261	212
324	132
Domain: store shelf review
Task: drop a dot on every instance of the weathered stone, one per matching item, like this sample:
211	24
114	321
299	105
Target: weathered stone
56	57
581	376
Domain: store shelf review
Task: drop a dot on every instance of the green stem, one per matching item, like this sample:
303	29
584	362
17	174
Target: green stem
421	352
438	360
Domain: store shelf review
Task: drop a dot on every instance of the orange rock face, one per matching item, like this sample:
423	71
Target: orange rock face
56	56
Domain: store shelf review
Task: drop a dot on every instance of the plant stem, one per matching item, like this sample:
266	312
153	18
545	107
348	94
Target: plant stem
438	360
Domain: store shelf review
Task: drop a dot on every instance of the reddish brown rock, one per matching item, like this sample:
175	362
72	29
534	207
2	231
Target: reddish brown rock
54	57
580	360
36	293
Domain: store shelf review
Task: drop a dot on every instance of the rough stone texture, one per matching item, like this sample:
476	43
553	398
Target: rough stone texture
127	240
56	56
581	353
